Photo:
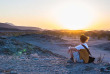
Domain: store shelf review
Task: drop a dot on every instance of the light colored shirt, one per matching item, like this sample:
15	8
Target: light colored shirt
81	47
76	54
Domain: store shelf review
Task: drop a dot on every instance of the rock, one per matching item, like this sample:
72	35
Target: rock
3	37
34	55
22	57
88	68
13	72
6	51
15	42
105	69
7	71
47	59
36	59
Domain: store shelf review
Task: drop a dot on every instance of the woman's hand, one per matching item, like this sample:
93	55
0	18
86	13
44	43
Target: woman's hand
70	51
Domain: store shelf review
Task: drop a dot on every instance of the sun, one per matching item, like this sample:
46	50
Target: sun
74	16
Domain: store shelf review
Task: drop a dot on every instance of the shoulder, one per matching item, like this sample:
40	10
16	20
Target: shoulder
78	47
85	44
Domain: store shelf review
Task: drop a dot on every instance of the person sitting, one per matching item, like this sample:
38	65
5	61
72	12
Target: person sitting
79	53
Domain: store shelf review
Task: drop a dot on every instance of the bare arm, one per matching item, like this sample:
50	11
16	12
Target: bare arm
71	50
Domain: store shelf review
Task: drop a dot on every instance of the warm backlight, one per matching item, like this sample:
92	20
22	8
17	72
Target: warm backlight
74	17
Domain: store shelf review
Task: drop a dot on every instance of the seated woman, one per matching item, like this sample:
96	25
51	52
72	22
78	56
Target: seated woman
79	53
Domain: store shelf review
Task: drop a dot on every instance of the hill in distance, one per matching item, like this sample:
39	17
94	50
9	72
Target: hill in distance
11	27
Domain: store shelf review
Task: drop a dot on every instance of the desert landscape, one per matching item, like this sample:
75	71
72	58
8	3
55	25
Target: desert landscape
45	52
45	36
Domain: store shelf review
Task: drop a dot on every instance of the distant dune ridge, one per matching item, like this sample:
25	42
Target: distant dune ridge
11	27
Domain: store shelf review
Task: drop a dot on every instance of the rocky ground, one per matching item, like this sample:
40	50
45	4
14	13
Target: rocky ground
47	65
18	57
105	46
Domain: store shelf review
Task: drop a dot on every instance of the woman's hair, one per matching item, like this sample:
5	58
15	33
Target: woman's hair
84	38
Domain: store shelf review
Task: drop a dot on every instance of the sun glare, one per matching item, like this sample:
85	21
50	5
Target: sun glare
74	16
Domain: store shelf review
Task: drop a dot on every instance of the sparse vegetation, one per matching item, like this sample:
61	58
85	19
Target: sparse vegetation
109	37
12	46
39	58
60	33
100	59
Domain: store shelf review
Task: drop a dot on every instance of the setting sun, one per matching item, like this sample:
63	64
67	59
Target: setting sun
57	14
74	16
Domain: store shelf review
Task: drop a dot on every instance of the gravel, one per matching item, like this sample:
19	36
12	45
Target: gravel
18	57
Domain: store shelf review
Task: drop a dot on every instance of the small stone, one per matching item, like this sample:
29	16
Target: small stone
13	72
46	59
36	59
3	37
22	57
34	55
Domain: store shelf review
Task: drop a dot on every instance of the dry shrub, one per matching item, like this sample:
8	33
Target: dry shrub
100	59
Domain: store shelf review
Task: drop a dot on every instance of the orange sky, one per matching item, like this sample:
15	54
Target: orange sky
57	14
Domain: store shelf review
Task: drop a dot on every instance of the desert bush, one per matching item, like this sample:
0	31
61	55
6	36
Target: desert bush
100	59
6	51
109	37
99	37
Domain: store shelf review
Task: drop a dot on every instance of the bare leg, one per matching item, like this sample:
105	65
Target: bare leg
72	57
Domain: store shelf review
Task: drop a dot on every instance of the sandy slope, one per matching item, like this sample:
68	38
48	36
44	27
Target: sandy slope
47	65
45	62
40	61
61	47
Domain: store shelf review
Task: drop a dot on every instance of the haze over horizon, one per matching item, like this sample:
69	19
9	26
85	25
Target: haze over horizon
57	14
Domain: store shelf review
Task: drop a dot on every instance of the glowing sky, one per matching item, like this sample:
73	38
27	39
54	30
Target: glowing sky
57	14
